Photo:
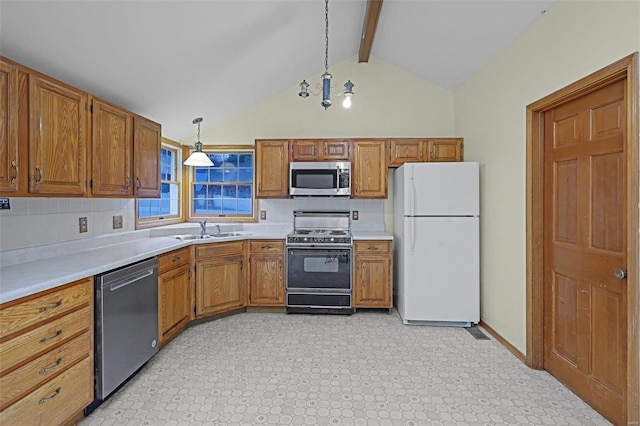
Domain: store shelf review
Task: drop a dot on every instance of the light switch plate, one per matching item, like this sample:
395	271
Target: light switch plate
263	215
84	227
354	215
117	222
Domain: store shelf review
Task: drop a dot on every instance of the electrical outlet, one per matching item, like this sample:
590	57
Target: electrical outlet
117	222
354	215
84	227
263	215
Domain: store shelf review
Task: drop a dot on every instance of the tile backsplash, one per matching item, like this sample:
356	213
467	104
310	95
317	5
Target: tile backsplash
34	221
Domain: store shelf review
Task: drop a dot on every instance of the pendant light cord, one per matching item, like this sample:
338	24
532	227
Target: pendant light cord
326	36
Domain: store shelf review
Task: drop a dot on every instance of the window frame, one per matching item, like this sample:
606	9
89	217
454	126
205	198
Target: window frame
221	149
153	221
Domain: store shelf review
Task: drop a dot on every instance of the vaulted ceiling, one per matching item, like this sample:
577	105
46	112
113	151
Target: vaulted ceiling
172	61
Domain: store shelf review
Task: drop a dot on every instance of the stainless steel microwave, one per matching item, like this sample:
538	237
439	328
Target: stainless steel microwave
320	179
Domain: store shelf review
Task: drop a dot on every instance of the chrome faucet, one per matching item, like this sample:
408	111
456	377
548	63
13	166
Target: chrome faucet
218	229
203	227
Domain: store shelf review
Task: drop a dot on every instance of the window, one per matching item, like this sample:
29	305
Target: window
166	209
224	190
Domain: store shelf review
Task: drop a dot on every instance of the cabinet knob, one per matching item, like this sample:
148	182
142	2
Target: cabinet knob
39	175
15	167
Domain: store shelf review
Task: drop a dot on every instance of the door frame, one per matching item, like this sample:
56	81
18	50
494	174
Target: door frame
626	68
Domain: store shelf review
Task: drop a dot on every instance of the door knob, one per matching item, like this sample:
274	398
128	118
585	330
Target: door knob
621	274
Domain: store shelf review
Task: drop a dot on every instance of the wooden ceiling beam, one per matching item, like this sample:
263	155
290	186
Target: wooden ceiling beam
369	29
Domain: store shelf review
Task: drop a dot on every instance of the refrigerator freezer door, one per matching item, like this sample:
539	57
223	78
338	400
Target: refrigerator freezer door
439	281
440	189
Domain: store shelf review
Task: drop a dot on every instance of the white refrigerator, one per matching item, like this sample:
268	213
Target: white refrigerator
436	243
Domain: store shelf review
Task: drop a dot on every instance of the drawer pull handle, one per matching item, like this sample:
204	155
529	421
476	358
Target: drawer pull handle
46	339
43	400
47	369
55	305
266	247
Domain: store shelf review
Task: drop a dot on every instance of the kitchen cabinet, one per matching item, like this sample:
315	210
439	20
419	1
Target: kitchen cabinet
8	127
46	349
219	272
320	150
58	135
272	168
449	149
372	282
413	150
266	266
147	140
112	144
174	295
369	178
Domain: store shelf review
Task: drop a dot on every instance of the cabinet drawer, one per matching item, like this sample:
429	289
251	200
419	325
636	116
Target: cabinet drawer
373	247
31	375
219	249
43	338
56	401
266	246
18	315
173	259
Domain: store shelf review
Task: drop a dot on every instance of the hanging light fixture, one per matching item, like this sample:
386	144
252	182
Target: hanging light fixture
326	77
197	157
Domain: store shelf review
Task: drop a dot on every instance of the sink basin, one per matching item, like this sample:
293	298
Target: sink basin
189	237
228	234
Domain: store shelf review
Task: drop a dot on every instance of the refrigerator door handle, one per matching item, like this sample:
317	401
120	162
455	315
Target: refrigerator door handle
412	235
412	198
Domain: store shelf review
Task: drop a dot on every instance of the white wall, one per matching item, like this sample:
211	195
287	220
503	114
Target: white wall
571	40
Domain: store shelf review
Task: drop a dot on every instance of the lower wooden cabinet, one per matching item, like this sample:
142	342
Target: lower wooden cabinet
46	348
266	277
220	277
372	280
174	295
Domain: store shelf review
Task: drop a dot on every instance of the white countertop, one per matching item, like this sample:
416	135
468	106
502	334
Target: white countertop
52	265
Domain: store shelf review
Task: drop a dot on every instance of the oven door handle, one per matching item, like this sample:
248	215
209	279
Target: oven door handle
314	252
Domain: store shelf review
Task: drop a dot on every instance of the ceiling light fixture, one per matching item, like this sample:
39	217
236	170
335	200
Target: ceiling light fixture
326	77
197	157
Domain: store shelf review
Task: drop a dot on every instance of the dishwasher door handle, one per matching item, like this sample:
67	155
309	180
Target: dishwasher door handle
123	282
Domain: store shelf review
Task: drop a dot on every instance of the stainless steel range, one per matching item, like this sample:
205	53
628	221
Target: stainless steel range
319	262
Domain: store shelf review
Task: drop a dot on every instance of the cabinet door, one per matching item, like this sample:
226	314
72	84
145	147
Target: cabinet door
147	141
272	168
372	282
336	150
266	285
405	151
111	148
173	302
369	169
219	285
445	149
304	150
57	138
8	127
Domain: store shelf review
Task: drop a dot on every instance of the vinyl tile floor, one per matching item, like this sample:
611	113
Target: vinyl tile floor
363	369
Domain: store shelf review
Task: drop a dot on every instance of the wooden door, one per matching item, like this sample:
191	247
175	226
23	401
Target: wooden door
266	283
57	138
8	128
111	147
272	169
173	303
219	285
585	317
147	140
369	179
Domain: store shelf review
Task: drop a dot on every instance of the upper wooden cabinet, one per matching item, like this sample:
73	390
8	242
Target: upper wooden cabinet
272	168
58	136
8	127
414	150
449	149
320	150
369	179
147	140
111	149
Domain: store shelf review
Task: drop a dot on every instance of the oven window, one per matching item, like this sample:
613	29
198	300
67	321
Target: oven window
319	264
314	179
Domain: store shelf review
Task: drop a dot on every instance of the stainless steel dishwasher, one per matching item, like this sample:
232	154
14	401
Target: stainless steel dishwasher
126	323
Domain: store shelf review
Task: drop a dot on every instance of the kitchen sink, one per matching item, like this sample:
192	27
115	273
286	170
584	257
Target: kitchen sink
190	237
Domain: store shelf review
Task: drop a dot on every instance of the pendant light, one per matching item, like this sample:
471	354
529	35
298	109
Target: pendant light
326	77
197	157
